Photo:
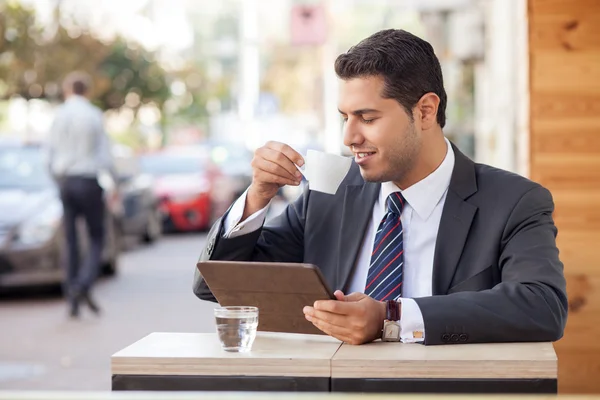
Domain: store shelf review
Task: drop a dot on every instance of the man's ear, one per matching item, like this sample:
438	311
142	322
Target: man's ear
426	110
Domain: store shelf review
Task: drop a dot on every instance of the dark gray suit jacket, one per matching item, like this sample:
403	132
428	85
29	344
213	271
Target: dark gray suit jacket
497	276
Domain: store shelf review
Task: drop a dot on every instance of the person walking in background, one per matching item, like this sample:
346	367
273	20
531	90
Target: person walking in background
78	149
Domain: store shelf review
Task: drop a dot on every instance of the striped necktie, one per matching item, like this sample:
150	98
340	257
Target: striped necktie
384	280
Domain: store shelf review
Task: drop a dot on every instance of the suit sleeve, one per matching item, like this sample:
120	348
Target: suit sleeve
279	240
530	303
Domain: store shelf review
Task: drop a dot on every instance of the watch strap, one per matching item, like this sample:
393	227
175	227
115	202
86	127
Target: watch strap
392	310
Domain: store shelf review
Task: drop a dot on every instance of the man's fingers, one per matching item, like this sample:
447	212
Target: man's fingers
355	296
290	153
351	329
333	319
335	306
281	160
337	332
270	178
268	171
339	295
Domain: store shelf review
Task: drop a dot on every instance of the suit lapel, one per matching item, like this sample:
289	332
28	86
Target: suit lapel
356	214
455	224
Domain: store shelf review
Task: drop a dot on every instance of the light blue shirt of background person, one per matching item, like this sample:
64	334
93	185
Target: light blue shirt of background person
78	144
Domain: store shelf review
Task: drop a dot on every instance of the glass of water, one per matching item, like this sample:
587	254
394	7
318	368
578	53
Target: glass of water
236	327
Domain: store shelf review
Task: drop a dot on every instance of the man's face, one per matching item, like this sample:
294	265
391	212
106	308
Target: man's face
378	131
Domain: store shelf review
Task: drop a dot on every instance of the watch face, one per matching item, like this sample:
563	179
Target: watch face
391	330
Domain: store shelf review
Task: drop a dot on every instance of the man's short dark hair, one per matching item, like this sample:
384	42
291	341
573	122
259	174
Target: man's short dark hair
406	62
77	82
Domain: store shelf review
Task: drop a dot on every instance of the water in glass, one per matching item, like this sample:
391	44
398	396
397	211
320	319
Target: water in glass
236	327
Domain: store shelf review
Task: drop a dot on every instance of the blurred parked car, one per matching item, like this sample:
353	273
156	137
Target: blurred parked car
139	213
31	217
191	189
234	162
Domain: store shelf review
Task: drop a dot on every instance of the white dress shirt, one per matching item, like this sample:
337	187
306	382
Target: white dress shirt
420	222
78	144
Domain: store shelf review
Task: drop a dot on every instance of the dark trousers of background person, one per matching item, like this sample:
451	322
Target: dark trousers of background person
82	197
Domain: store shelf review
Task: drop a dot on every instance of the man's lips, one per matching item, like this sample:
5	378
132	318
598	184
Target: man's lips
363	153
361	157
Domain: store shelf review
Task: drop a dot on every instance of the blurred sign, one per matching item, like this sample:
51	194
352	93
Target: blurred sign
309	25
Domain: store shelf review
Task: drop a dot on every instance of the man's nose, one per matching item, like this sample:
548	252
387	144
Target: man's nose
352	134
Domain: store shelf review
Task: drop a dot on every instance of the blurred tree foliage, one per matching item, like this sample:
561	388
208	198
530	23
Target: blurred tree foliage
195	103
33	63
17	33
131	70
294	77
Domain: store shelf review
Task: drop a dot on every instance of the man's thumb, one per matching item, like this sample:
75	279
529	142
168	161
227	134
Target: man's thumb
339	295
356	296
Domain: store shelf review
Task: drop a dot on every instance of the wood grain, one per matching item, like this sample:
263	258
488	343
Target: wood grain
564	55
578	208
553	140
200	354
580	75
554	7
561	113
394	360
565	30
578	370
578	251
583	292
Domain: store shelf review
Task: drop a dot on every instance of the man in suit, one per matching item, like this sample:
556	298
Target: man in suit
419	235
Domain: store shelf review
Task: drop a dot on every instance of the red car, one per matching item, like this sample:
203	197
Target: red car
192	191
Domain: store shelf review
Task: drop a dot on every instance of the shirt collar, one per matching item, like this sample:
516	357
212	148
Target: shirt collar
76	98
424	195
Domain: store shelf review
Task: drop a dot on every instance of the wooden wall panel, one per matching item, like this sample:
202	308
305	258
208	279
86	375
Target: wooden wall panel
564	62
584	300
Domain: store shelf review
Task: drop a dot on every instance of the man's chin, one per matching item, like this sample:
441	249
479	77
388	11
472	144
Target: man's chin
371	176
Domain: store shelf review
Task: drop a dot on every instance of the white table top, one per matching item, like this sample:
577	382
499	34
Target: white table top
398	360
272	354
288	354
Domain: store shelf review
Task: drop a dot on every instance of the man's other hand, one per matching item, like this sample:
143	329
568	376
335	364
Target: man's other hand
354	319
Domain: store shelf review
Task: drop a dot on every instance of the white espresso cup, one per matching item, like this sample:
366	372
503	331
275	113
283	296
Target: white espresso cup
325	171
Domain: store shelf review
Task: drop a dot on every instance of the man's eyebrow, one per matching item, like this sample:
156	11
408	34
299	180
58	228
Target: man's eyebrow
361	111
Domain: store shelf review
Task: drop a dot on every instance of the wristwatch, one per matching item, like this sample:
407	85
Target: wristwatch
391	325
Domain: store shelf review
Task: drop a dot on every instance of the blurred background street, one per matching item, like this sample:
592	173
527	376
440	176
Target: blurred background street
42	348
